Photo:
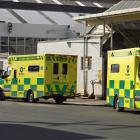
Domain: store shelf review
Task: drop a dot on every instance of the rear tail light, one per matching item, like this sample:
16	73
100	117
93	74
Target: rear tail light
47	81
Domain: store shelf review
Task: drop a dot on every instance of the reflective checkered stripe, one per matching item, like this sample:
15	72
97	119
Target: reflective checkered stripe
18	90
4	85
124	90
20	87
61	89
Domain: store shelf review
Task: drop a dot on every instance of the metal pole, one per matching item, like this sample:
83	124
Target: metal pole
16	45
8	43
0	43
104	28
84	72
111	40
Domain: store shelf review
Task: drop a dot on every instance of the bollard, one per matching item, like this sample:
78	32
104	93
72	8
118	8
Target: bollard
93	82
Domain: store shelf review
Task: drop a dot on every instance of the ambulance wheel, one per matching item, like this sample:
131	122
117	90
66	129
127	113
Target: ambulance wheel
2	97
30	96
59	100
116	105
36	100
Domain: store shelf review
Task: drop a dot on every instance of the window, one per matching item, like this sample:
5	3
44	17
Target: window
65	69
20	48
86	62
4	40
33	68
55	68
20	41
12	41
115	68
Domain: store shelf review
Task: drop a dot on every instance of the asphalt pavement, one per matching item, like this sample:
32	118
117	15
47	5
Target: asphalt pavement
79	119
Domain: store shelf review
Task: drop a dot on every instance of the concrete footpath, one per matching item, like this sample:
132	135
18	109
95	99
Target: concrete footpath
85	101
74	101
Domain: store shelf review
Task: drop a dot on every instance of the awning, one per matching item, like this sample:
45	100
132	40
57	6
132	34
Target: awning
117	16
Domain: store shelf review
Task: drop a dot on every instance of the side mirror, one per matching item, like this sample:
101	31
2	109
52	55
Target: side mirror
4	74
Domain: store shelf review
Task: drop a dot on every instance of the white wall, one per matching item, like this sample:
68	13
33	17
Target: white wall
75	47
4	63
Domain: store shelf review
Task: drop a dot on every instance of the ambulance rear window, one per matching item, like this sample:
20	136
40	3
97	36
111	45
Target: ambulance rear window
115	68
34	68
55	68
64	69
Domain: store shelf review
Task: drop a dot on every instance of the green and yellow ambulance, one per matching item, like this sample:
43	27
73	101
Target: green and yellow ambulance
123	79
31	77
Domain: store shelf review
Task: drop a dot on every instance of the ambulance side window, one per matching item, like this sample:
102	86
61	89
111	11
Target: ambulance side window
33	68
55	68
115	68
139	71
65	69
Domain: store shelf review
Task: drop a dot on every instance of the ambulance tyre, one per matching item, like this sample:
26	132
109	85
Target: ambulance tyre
2	97
36	100
30	96
116	105
59	99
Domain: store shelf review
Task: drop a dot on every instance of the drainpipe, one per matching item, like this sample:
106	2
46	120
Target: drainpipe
85	70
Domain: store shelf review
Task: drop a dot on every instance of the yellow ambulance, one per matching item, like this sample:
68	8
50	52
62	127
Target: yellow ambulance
31	77
123	78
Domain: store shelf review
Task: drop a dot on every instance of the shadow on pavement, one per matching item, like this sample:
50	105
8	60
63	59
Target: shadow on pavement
80	104
65	103
23	132
136	112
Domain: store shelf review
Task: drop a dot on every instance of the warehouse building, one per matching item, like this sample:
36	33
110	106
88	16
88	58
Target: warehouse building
17	38
20	30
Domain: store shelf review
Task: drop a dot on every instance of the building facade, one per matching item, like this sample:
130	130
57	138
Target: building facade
93	61
17	38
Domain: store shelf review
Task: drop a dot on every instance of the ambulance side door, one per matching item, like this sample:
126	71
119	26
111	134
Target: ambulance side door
14	83
55	72
64	72
137	84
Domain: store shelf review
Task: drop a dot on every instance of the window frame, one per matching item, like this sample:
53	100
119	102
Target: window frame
86	63
55	68
115	69
64	69
30	68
